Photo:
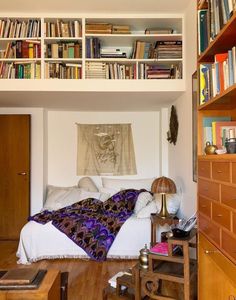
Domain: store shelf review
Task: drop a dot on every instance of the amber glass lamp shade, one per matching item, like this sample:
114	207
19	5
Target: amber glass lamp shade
163	186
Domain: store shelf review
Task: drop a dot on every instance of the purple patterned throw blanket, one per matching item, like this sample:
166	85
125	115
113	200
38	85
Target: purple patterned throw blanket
92	224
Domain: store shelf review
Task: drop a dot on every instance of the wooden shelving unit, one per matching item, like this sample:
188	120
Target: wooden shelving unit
217	184
137	23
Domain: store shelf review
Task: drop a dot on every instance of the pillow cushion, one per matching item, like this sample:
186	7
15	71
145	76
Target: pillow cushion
146	211
119	184
143	199
109	191
86	183
58	197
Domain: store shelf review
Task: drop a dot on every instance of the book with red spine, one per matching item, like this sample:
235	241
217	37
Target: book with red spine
221	58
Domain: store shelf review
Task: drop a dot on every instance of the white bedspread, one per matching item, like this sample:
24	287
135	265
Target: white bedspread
39	241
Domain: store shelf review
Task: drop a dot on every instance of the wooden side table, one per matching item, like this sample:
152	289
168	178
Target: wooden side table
49	289
173	268
158	221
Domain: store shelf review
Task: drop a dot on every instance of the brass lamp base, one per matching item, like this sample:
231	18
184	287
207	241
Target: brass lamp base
163	212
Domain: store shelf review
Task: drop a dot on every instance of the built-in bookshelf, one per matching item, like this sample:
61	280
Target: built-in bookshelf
134	48
217	126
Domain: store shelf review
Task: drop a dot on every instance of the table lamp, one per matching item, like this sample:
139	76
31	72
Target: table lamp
163	186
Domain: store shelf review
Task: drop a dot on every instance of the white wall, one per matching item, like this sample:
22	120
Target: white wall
62	142
38	149
180	156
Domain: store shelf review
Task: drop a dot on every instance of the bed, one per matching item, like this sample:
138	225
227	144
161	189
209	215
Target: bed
45	241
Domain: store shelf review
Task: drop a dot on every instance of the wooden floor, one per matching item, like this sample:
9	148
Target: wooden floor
86	278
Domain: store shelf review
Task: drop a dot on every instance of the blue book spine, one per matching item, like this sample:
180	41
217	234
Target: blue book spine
231	68
226	6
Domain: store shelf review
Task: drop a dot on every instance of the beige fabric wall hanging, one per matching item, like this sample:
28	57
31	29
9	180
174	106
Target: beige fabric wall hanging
105	149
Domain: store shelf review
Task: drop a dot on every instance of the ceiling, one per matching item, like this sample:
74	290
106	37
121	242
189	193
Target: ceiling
87	101
101	6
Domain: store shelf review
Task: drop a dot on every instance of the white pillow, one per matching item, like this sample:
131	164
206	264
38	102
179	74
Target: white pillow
146	211
58	197
143	199
86	183
172	202
119	184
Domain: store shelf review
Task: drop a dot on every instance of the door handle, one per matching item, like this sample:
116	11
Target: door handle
22	173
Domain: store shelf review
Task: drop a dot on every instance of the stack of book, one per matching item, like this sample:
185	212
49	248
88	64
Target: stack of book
96	70
98	28
154	71
112	53
169	49
162	249
121	29
24	278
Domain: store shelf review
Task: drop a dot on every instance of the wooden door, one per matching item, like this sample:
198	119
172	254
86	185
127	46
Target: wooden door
14	174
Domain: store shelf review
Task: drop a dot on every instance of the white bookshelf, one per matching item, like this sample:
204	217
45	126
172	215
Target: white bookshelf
137	23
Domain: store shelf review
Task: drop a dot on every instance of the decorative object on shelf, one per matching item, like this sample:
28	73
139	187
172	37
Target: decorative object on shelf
173	126
230	145
143	257
163	186
105	149
210	149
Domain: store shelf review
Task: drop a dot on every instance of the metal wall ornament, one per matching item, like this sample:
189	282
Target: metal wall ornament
173	126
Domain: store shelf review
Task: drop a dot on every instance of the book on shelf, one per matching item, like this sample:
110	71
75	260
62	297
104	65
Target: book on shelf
61	28
60	70
205	83
121	29
15	28
203	29
157	30
99	28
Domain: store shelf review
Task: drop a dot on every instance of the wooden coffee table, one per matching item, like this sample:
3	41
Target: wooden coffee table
49	289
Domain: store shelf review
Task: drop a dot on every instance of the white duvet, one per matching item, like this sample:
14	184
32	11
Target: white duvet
39	241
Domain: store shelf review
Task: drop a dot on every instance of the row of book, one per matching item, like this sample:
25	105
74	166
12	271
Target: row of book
61	28
106	28
212	20
141	50
151	71
217	130
63	50
20	29
218	76
157	50
22	49
102	70
63	71
20	70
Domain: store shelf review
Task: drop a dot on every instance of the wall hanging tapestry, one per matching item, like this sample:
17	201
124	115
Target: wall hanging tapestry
105	149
